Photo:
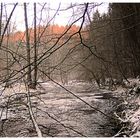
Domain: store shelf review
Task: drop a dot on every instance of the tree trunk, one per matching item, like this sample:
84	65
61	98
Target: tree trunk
35	50
1	12
29	78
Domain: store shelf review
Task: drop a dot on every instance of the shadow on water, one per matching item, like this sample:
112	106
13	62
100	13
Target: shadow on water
107	95
109	127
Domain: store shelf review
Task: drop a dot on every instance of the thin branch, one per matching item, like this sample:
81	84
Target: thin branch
7	23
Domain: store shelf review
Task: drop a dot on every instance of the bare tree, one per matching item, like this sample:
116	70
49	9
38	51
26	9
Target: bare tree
7	23
61	47
29	77
35	50
1	13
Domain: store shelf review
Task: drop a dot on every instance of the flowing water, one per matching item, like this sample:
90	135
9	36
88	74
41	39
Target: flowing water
60	114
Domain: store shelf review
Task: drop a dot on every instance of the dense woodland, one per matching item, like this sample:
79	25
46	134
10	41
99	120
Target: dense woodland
116	39
104	49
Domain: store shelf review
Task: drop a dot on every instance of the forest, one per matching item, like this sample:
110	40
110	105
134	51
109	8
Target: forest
80	79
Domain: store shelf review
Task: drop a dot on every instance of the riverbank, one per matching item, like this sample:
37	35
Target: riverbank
128	112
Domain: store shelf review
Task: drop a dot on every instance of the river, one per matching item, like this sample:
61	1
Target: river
60	114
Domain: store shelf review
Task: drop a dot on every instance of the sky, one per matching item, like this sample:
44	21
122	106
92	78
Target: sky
62	18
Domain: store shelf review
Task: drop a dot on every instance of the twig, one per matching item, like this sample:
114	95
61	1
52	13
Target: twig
122	120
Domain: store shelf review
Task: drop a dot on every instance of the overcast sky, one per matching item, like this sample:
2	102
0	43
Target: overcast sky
62	18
